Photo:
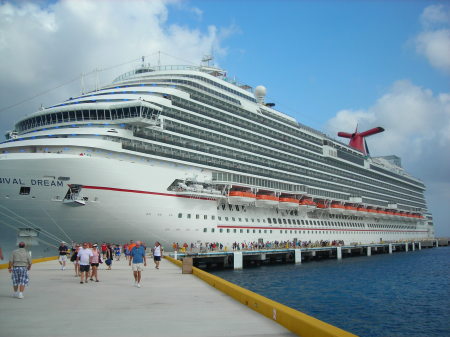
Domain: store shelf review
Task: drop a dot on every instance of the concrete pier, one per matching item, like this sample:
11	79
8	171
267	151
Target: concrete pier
369	251
168	304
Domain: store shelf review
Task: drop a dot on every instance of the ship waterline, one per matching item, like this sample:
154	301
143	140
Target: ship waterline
145	158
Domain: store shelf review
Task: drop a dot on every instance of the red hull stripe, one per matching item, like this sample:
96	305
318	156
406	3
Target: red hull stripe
141	192
319	229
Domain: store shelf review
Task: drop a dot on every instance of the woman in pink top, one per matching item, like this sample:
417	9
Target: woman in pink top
94	261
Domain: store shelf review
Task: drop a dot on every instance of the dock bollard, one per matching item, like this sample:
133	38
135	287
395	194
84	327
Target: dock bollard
186	266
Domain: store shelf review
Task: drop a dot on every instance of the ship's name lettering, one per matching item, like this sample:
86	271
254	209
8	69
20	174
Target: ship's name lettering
33	182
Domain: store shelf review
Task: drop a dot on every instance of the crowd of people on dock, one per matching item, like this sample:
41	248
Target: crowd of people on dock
86	258
252	245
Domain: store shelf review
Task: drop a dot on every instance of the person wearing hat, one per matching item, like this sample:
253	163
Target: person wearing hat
63	251
19	265
95	259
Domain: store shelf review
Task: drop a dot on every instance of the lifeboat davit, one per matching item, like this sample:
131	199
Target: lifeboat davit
307	204
266	200
241	197
288	203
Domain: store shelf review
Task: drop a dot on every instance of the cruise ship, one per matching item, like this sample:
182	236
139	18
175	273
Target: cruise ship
186	154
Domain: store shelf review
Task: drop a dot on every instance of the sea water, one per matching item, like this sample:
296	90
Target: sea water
403	294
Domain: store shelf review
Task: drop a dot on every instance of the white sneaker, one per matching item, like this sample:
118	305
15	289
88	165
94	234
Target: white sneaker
20	295
63	268
138	285
16	294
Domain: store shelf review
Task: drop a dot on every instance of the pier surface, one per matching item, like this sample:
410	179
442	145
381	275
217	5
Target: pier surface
167	304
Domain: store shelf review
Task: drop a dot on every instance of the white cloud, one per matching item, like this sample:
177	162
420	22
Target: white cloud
435	15
434	41
43	45
417	124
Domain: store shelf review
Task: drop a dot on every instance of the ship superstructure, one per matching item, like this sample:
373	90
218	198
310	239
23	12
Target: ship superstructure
184	154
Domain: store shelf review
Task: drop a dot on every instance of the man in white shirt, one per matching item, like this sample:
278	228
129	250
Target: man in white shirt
83	259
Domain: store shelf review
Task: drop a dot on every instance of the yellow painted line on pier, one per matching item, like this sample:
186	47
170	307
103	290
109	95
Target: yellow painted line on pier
294	320
43	259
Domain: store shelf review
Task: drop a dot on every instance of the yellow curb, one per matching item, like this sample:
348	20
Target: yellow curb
293	320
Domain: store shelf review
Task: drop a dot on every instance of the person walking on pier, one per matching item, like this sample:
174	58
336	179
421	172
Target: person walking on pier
63	251
19	265
137	257
95	260
83	256
157	253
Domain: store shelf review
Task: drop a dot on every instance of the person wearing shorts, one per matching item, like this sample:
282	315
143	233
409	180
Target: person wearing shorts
157	253
19	265
63	251
83	257
95	259
137	257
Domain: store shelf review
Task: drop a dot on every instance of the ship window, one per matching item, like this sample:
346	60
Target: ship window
241	231
246	219
205	217
24	190
213	217
219	218
180	215
270	231
188	216
254	231
239	219
197	216
284	221
205	230
230	207
234	230
212	230
281	231
226	218
279	221
228	230
265	231
248	230
274	220
221	230
303	222
237	207
259	231
232	218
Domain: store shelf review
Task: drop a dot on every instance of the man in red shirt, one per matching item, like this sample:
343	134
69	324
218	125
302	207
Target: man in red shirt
104	249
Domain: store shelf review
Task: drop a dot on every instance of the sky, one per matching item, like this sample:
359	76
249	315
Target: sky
332	65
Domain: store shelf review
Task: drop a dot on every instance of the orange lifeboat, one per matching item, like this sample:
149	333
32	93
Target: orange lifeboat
362	211
288	203
307	204
266	200
336	208
241	197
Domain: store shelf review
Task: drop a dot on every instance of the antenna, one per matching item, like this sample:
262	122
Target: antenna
82	83
143	61
206	59
159	58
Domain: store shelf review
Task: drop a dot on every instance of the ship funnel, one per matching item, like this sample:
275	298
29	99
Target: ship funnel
357	139
260	93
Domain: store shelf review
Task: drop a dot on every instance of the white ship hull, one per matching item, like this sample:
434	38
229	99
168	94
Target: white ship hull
126	200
